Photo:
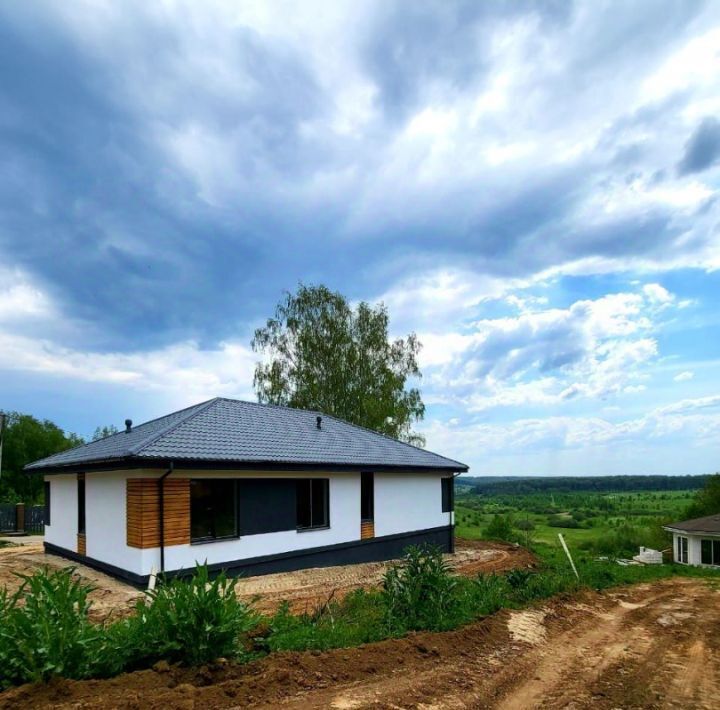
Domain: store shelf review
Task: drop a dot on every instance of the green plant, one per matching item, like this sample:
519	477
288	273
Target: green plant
419	592
45	630
187	621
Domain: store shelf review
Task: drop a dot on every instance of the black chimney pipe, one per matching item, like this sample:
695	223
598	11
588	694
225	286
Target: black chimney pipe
319	422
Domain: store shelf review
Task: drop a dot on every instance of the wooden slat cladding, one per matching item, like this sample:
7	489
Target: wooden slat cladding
81	547
143	519
367	529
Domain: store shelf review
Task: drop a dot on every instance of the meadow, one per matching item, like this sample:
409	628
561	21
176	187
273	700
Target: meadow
608	523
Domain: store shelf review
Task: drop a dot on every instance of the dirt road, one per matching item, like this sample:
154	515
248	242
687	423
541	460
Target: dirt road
649	646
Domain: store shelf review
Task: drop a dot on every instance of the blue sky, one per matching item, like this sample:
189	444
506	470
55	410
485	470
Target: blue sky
531	187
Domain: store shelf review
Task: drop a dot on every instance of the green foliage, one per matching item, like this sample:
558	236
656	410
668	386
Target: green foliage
189	622
358	618
322	354
500	528
419	592
45	630
707	500
27	439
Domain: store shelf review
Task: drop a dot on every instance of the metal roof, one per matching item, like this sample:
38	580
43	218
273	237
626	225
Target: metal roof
708	524
229	431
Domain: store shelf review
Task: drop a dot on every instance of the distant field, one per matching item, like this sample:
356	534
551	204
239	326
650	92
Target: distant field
609	523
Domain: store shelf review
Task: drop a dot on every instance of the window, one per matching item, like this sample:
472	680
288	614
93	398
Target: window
47	503
367	496
81	504
710	552
313	509
213	509
448	494
682	549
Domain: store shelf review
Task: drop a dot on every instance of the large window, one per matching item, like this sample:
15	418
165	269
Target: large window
313	503
367	496
81	503
213	509
710	552
448	494
682	549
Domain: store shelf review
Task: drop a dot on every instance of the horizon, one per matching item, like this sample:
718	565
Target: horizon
532	189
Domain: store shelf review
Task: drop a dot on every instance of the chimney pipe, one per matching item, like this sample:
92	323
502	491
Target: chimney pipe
319	422
128	426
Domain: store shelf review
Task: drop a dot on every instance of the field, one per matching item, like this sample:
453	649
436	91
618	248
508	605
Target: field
606	523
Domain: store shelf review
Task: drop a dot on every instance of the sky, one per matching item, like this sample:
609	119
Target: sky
531	187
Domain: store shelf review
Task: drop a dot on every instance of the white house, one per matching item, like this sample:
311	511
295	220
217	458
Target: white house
245	487
697	541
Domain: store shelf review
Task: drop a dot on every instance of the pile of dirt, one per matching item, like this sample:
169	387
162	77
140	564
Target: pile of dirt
609	650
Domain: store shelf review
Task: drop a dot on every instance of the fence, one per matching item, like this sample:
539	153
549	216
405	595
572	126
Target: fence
19	518
7	517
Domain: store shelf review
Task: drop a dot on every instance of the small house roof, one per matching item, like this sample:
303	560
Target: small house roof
707	524
228	432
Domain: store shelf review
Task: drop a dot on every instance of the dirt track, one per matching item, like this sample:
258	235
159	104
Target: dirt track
649	646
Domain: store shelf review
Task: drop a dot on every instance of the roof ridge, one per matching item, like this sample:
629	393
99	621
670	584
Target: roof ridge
388	437
198	408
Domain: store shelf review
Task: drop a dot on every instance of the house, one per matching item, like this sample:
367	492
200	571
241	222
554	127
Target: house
250	488
696	541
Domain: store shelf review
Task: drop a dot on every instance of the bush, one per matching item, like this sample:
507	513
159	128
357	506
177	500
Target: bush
500	528
190	621
419	592
45	630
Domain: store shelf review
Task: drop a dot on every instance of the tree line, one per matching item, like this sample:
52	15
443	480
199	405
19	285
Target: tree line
595	484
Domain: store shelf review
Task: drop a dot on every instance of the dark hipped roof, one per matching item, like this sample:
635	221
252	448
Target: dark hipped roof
708	524
228	431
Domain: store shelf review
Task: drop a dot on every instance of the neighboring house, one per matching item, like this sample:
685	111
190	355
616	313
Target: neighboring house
246	487
697	541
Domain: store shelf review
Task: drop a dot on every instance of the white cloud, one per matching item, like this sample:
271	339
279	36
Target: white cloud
684	376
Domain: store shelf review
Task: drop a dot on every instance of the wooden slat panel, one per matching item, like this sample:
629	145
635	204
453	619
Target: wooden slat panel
367	530
143	521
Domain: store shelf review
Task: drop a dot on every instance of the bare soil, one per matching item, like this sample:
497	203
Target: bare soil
648	646
304	589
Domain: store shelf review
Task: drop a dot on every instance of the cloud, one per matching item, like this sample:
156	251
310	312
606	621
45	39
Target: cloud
546	356
684	376
703	147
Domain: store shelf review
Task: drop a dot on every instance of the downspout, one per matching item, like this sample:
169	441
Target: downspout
161	502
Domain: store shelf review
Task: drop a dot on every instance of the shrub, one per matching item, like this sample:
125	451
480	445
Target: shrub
500	528
187	621
419	592
45	630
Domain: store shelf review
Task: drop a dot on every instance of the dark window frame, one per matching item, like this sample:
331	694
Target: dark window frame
448	494
321	521
81	503
710	552
367	497
46	492
235	535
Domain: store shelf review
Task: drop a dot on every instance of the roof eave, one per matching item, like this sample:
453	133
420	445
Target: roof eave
136	462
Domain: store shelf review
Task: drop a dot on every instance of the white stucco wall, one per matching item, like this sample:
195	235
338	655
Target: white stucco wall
105	520
694	548
63	511
403	503
406	501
